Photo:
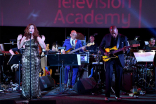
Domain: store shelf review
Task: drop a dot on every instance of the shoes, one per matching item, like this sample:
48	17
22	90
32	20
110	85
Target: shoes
118	98
106	99
37	97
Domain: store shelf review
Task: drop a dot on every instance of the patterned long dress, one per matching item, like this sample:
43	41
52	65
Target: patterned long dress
35	67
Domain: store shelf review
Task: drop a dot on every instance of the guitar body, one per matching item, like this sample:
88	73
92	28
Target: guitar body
40	49
106	58
69	50
109	49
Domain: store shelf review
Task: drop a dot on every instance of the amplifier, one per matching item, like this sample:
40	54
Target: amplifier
85	57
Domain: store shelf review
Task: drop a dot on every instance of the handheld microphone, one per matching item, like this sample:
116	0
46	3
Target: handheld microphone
30	32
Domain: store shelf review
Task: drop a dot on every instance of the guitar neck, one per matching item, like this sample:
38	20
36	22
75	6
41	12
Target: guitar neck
75	50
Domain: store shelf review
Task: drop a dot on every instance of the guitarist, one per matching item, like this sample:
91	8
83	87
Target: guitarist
108	41
74	44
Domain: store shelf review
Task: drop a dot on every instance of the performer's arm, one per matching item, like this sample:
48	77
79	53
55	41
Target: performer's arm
41	42
102	46
11	52
22	42
18	40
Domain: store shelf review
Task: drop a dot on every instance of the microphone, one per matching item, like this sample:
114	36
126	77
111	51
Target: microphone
30	34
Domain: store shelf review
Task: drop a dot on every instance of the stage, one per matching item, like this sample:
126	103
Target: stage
71	97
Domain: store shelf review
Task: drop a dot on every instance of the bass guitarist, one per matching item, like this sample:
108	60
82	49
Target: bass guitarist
72	43
109	41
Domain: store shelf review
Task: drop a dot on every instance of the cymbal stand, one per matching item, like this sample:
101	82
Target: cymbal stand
143	78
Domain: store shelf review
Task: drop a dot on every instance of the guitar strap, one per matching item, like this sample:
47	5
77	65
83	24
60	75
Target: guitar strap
118	41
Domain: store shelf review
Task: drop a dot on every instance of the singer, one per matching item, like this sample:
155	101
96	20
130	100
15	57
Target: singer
31	36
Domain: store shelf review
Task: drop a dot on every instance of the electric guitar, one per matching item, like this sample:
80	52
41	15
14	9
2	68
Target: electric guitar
70	51
109	50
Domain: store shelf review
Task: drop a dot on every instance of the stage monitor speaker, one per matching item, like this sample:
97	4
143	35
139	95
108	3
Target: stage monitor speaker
46	82
7	102
127	81
85	86
42	102
126	84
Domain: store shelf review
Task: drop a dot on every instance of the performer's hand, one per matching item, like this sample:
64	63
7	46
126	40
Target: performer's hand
63	51
107	54
124	49
23	39
43	38
83	48
19	37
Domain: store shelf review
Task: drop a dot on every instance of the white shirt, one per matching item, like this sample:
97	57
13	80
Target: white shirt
73	45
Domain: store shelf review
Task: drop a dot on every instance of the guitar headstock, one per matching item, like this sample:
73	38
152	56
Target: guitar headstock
135	45
47	47
89	44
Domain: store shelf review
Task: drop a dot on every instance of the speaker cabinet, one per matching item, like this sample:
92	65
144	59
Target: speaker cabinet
46	82
127	81
85	86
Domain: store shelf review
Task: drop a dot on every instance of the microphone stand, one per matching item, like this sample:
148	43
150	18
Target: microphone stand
30	65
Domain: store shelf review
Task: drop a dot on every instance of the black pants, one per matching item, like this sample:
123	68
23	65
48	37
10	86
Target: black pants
118	76
154	71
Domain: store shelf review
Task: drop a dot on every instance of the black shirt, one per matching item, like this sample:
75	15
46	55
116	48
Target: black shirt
113	41
92	47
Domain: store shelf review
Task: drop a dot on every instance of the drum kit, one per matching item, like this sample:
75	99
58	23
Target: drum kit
141	67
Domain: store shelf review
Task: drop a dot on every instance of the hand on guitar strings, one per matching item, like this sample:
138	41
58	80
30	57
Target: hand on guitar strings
124	49
107	54
83	48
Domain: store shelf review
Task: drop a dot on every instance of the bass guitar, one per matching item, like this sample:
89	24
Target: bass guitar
113	50
70	51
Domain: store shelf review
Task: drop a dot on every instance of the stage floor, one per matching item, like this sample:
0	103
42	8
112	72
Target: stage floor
71	97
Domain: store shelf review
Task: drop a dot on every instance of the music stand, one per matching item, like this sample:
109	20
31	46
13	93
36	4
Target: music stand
63	60
144	57
1	59
2	47
16	59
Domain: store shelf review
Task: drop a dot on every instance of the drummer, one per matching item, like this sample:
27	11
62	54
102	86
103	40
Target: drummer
150	45
93	48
